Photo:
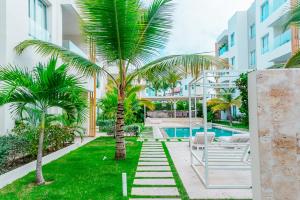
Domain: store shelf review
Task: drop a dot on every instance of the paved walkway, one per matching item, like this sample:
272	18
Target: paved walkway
154	179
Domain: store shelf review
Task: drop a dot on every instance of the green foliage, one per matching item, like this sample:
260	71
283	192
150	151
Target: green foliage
242	84
163	106
106	125
11	148
133	129
182	105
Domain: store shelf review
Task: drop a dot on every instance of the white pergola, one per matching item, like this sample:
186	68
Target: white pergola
227	80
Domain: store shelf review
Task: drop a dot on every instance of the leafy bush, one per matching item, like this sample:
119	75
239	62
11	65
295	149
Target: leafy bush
11	148
242	84
133	129
57	136
106	126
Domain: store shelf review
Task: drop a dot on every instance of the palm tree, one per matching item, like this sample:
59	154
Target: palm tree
225	102
172	78
48	86
128	35
294	22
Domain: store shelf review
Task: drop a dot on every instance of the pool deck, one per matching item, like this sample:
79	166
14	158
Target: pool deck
180	154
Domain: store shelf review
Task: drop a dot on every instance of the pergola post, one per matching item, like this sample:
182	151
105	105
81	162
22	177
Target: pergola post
174	106
195	106
205	127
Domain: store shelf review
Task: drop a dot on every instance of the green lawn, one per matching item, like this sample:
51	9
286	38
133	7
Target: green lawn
235	125
89	172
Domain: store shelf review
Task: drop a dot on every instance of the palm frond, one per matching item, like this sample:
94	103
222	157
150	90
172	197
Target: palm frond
189	64
81	64
294	61
220	107
293	16
215	101
149	104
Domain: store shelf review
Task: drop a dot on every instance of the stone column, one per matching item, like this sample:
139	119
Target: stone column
274	112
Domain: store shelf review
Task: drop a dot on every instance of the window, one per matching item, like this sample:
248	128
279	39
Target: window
265	44
252	31
232	38
252	58
264	11
38	20
232	61
185	87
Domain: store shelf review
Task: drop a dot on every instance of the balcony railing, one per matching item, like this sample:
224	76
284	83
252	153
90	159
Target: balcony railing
38	32
223	50
282	38
72	47
277	4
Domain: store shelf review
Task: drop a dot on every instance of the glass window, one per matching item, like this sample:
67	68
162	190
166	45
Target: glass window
252	31
232	38
252	58
265	44
185	87
264	11
233	61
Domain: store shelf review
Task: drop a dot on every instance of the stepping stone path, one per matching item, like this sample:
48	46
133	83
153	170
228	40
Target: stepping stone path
154	179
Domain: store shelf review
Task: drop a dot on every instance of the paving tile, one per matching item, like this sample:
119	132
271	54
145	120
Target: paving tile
153	168
166	181
153	159
154	174
155	191
153	199
153	164
153	156
153	152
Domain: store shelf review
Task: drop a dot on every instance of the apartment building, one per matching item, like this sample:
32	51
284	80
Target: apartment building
55	21
257	38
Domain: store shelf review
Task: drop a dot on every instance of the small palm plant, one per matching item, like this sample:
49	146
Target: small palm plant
225	102
294	21
46	87
129	35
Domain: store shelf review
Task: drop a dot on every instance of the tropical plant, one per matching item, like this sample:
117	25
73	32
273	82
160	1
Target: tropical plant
242	84
294	21
225	102
46	87
132	104
125	34
172	78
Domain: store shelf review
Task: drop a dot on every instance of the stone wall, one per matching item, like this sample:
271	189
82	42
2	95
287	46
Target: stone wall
274	108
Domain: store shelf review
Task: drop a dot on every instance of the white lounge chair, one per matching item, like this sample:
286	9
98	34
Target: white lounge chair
198	141
237	138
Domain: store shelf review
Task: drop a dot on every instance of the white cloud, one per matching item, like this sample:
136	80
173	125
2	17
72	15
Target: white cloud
197	23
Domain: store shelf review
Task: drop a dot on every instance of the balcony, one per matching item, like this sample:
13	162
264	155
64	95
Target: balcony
72	47
277	4
223	50
38	32
282	39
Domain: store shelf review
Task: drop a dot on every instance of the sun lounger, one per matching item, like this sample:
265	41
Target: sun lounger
198	141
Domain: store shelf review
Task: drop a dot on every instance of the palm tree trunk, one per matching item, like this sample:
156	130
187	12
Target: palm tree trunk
230	116
39	173
120	140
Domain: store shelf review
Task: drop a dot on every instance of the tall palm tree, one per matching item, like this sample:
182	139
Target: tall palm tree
126	34
225	102
172	78
294	21
48	86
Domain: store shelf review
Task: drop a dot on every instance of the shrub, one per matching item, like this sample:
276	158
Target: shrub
106	126
132	129
11	148
57	136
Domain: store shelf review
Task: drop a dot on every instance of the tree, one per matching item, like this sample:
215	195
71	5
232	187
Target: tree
225	102
294	21
48	86
128	35
242	84
172	78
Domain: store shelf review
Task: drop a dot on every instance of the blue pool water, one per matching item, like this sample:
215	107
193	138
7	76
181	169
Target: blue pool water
185	132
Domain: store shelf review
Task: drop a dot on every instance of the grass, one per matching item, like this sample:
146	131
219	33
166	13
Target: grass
89	172
147	132
240	126
179	184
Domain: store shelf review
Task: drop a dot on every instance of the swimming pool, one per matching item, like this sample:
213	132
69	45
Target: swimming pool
185	132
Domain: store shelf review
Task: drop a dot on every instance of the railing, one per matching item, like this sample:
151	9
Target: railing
277	4
38	32
223	50
282	38
72	47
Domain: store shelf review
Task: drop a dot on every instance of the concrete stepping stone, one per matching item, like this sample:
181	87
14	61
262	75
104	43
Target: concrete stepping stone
153	164
153	156
152	150
152	153
154	174
153	168
153	159
153	199
166	181
155	191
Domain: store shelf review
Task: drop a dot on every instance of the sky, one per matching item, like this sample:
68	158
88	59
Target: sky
197	24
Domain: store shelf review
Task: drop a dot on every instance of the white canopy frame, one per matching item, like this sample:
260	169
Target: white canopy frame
228	81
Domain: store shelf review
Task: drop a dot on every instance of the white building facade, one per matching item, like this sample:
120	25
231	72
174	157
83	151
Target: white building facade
257	38
55	21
